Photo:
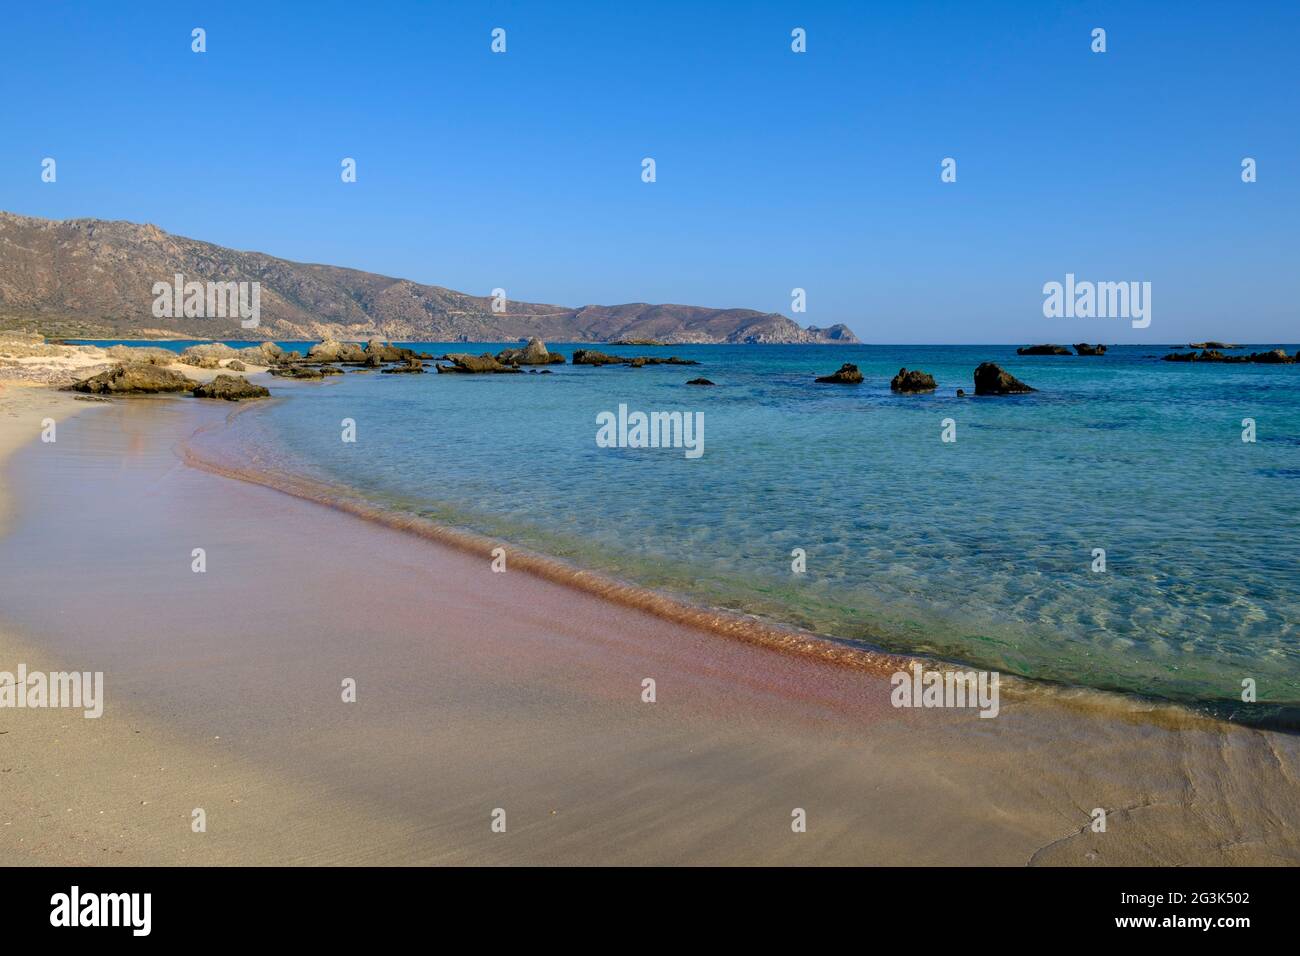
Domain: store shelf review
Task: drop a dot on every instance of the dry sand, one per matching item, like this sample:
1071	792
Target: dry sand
479	691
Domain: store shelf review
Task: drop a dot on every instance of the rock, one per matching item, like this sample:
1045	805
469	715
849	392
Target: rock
1043	350
991	380
297	371
534	353
1083	348
145	353
699	381
208	355
1212	345
233	388
913	381
413	366
377	352
332	350
266	354
848	374
961	393
593	357
91	398
1272	357
236	366
133	378
474	364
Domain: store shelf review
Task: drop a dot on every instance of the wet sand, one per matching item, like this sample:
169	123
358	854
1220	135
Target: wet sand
478	690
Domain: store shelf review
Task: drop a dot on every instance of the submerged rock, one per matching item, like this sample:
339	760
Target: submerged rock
232	388
991	380
699	381
847	374
133	378
1083	348
1043	350
913	381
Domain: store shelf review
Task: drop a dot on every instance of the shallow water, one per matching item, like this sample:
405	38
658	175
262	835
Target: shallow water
979	550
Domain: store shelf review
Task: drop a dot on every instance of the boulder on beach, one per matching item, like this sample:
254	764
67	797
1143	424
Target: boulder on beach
1083	348
208	355
143	353
265	354
534	353
913	381
699	381
236	366
847	374
468	364
991	380
1042	350
232	388
133	378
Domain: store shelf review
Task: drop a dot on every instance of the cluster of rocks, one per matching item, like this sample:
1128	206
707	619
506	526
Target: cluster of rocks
593	357
990	379
1082	348
1273	357
148	378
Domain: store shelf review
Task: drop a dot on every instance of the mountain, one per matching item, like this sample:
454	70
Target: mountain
93	278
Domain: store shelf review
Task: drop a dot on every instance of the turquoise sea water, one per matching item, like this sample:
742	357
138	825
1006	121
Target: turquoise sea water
980	550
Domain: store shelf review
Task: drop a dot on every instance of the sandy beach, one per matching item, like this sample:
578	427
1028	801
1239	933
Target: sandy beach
479	691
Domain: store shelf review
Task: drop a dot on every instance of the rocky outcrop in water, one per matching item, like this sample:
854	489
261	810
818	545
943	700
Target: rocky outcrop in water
847	374
133	378
1083	348
534	353
1272	357
411	366
912	382
232	388
990	379
1043	350
298	371
594	357
699	381
1212	345
464	363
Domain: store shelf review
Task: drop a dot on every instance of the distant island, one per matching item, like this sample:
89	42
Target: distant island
92	278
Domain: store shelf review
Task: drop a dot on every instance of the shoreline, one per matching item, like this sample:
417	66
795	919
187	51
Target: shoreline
510	689
720	623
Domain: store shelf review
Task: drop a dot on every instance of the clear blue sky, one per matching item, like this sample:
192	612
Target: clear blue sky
775	170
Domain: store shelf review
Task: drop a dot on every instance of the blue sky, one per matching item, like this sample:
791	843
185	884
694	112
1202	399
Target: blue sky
775	170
